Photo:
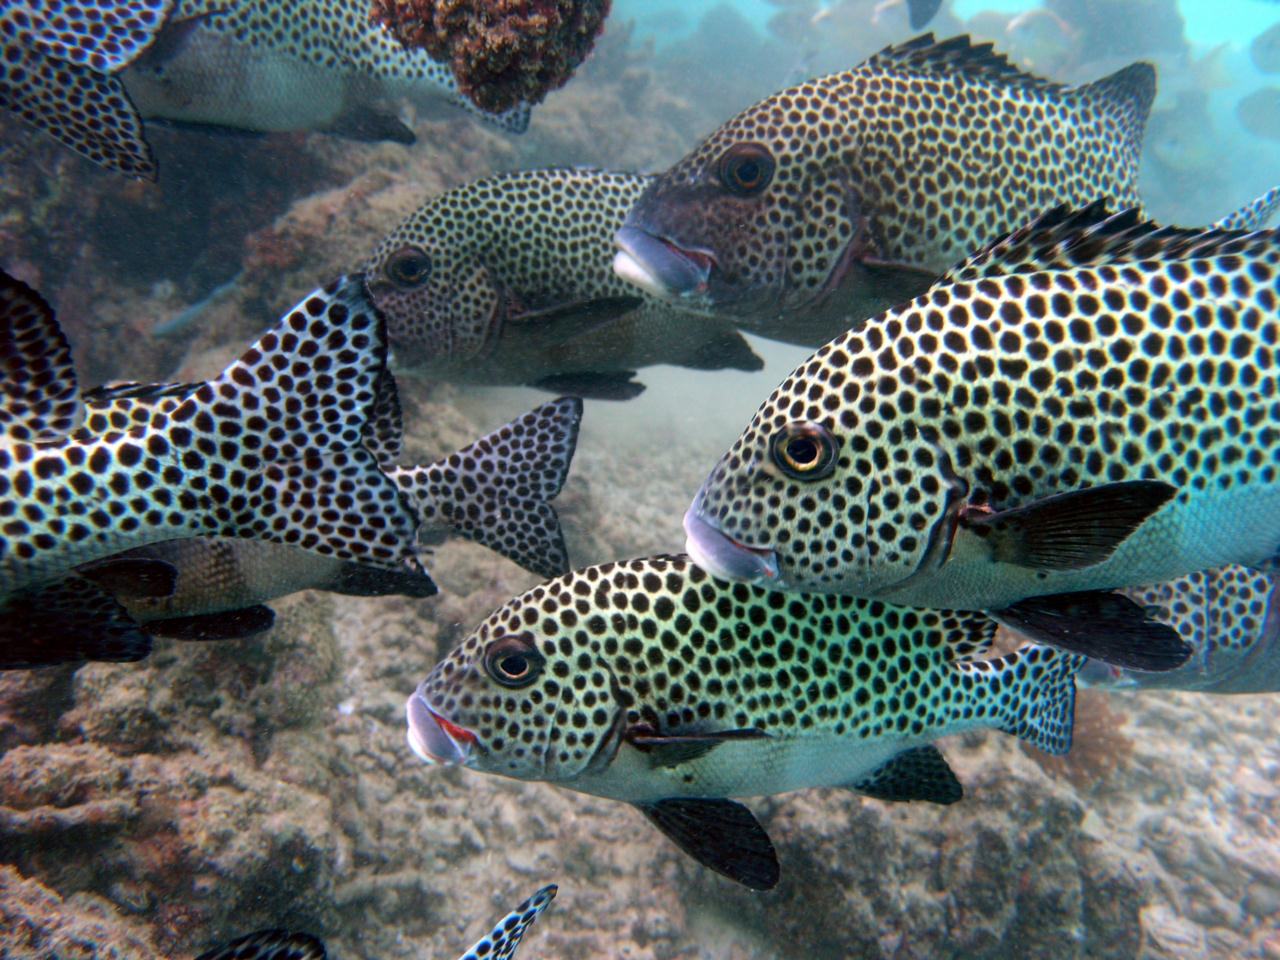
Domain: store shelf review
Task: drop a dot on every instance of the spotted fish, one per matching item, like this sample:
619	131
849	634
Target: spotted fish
90	72
1086	404
651	683
496	492
500	944
507	280
1231	618
844	195
270	450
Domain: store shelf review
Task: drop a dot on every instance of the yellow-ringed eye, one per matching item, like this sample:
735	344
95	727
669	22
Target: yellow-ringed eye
513	662
804	450
746	168
408	267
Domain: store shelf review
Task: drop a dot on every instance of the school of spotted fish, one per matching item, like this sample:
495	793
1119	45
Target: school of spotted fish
1036	409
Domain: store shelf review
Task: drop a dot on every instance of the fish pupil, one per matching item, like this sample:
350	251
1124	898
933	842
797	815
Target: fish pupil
802	450
514	666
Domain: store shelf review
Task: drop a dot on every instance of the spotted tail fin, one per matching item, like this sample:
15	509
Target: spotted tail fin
272	448
1254	215
503	939
39	398
497	491
269	945
1033	691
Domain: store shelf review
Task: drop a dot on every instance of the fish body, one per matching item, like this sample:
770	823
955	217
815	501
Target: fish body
1231	618
256	65
507	280
499	944
269	450
842	196
496	492
1087	404
652	683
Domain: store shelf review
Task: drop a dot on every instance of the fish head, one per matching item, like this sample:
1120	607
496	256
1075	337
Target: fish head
759	220
432	284
831	488
528	695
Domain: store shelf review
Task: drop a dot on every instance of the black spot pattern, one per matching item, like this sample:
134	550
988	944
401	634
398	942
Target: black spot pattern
917	156
269	945
1135	354
528	241
41	402
502	941
659	643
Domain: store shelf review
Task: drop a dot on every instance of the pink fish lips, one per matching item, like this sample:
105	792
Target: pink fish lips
724	557
433	738
659	265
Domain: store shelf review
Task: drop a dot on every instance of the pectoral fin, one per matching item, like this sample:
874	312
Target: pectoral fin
65	621
361	580
132	577
723	349
720	834
1069	531
1106	626
225	625
569	321
593	385
921	773
672	751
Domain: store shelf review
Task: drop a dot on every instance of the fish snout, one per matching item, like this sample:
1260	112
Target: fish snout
433	738
659	265
723	557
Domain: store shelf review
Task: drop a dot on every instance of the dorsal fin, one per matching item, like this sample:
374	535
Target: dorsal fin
969	636
137	390
39	397
1127	96
1063	239
925	55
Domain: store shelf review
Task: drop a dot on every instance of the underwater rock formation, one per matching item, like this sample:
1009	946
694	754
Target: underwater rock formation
502	52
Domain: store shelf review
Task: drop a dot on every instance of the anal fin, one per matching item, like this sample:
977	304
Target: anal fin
722	835
1106	626
921	773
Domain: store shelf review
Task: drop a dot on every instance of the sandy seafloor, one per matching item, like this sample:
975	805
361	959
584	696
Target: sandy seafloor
153	809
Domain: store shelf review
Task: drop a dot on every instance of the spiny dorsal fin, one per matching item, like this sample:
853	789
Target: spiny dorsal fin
969	636
138	390
39	397
925	55
1063	239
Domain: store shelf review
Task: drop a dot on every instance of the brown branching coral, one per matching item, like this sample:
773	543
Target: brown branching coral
501	52
1099	748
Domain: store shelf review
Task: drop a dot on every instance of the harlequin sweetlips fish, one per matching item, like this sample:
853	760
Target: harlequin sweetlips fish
844	195
652	683
1231	618
1087	404
508	280
499	944
271	450
89	73
496	492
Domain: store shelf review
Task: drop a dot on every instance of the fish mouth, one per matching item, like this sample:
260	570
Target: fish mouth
726	558
433	738
659	265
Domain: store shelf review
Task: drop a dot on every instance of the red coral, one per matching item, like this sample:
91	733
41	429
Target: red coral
501	52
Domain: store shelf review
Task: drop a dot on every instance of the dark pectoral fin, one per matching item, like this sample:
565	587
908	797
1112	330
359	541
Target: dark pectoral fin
671	751
719	834
69	620
226	625
361	580
921	773
132	577
1070	531
894	282
594	385
568	321
1106	626
367	125
723	349
269	945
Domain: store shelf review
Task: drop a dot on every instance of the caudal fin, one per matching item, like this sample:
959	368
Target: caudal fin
504	938
272	449
269	945
1034	692
497	491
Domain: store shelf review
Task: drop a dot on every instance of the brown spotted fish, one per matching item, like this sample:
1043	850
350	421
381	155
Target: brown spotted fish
270	450
837	198
1088	404
508	280
651	683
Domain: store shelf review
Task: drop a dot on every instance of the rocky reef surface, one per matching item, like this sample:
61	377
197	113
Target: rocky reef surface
150	810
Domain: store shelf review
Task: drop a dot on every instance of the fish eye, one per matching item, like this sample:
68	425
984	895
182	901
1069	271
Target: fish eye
804	450
513	662
746	168
408	266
